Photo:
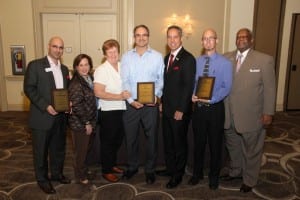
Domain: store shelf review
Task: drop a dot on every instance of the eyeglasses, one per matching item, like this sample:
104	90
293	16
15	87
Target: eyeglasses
206	39
242	37
57	47
141	35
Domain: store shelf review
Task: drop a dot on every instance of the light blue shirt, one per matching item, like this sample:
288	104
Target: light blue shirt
146	68
220	68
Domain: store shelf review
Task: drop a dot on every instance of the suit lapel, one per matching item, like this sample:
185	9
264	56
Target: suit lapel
178	56
176	59
246	65
65	74
234	62
166	63
50	75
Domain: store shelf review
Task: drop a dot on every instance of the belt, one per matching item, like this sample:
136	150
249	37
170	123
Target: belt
147	103
200	104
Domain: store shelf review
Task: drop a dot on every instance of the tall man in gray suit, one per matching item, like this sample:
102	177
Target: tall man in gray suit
48	125
248	108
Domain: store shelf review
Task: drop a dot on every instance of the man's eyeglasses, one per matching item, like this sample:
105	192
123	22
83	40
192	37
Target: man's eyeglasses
208	38
57	47
141	35
242	37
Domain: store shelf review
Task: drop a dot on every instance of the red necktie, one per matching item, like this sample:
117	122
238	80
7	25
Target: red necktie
170	61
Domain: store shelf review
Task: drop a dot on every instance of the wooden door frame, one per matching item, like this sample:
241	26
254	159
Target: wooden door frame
3	94
279	30
289	61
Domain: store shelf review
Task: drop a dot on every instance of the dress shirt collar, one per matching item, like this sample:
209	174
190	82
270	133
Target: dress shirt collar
52	64
245	53
149	49
212	56
176	51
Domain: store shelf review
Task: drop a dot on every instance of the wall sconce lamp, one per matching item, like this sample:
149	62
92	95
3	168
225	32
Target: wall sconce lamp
184	22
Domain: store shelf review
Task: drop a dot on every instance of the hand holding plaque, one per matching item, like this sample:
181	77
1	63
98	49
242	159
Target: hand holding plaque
145	92
60	100
205	87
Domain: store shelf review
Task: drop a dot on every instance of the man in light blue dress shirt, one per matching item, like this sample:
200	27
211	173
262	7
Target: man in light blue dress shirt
208	117
141	64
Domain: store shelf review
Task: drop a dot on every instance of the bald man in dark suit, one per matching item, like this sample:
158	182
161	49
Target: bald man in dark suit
48	125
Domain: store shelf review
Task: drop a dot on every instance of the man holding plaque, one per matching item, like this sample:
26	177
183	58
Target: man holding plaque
142	75
43	78
213	84
179	77
249	108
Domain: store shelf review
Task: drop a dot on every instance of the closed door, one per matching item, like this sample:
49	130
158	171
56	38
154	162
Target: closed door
82	33
293	89
94	30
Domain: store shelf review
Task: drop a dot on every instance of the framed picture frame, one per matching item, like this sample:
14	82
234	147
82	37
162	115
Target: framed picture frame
18	59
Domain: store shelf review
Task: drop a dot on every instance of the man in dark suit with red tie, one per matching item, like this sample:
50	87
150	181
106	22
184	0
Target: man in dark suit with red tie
48	125
176	105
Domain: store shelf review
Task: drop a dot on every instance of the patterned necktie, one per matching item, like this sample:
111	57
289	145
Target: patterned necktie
206	67
238	62
170	61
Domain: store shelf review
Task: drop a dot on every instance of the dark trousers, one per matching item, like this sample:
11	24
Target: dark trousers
147	117
208	125
81	145
111	137
175	144
50	143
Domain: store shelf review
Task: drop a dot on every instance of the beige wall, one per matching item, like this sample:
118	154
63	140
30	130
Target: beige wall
240	14
225	18
16	29
155	13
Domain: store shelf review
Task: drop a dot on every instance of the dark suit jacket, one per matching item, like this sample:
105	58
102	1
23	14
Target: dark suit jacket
38	85
179	84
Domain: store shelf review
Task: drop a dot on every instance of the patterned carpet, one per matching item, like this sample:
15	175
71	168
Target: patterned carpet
279	178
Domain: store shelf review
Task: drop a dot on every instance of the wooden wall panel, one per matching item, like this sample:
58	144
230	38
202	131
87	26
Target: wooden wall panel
267	27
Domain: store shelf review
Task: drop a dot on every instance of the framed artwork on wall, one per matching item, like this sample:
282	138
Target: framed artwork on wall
18	59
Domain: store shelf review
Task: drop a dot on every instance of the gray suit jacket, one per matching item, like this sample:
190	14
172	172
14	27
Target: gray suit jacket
253	92
38	86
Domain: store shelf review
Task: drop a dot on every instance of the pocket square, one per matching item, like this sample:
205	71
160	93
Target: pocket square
254	70
176	68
